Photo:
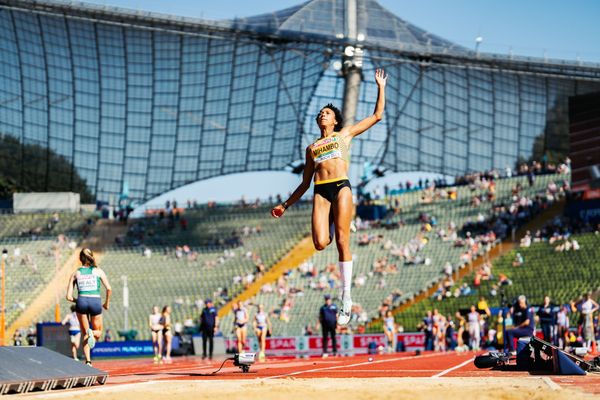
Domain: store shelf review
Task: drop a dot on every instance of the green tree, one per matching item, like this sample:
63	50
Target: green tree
34	168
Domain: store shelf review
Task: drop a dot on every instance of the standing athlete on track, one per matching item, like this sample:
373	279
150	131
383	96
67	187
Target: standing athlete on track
262	325
328	159
74	331
156	328
88	304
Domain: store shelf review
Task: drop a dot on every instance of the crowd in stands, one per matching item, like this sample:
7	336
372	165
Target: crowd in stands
441	189
479	328
23	259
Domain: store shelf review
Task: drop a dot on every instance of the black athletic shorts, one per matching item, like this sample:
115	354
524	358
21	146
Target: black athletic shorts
330	190
89	305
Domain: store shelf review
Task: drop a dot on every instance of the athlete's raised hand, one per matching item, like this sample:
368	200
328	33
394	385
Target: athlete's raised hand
380	77
278	211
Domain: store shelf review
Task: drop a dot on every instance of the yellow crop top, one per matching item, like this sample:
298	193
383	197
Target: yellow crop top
328	148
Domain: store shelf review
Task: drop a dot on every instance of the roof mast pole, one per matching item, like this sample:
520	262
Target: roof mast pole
352	63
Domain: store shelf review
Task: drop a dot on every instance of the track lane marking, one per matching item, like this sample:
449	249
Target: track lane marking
444	372
355	365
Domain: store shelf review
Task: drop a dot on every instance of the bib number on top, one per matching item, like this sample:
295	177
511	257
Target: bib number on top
87	283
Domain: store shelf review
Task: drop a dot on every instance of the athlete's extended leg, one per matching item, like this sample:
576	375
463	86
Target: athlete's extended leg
320	222
85	326
342	211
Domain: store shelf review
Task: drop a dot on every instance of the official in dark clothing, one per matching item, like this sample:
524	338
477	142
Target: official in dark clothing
209	325
547	317
328	320
523	322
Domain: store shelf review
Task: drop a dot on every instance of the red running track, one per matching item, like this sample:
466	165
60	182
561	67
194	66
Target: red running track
401	365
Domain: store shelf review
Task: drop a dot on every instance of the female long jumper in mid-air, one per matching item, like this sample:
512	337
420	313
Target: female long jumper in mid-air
328	159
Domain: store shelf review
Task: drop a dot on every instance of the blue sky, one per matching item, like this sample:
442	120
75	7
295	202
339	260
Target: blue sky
565	29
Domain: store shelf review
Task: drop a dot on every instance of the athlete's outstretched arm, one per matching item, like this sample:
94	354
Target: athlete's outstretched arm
309	170
363	125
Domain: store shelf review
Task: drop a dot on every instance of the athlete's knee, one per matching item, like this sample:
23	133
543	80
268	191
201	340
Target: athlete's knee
320	243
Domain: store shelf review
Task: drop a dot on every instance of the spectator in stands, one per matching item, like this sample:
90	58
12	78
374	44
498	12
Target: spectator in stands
526	240
465	290
518	261
482	306
327	319
308	330
448	268
503	280
360	280
523	322
547	317
209	326
285	310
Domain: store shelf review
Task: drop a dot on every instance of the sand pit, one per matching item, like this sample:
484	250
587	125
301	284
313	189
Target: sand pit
356	388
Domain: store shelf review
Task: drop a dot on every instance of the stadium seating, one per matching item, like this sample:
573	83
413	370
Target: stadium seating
29	267
564	276
163	279
409	280
40	224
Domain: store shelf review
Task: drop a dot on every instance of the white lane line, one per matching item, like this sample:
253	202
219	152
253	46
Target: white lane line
387	370
352	365
553	385
444	372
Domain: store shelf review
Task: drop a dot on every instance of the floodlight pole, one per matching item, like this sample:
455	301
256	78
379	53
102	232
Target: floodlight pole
352	65
125	303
